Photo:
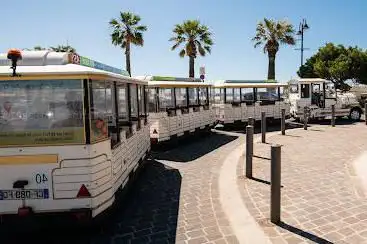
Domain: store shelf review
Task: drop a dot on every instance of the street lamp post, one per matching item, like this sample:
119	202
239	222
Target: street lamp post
302	27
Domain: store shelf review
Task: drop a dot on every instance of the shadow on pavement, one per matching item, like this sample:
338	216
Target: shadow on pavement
271	127
304	234
260	157
146	213
262	181
195	148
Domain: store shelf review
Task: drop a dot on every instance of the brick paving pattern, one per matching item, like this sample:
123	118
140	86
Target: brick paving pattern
322	199
201	217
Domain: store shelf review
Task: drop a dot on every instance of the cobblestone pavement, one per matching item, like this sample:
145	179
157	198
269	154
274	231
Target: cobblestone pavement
322	198
201	217
174	200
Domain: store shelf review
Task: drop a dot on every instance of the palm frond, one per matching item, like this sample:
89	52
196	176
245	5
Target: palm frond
270	33
197	38
126	30
182	53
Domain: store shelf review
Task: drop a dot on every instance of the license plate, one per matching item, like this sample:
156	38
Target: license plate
24	194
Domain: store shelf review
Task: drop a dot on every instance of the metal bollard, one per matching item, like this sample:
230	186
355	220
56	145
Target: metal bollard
249	149
275	184
282	125
305	118
365	112
251	121
333	115
263	127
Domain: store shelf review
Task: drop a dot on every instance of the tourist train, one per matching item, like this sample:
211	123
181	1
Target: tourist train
235	101
74	131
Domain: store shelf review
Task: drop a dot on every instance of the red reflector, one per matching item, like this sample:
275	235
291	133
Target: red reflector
24	211
83	192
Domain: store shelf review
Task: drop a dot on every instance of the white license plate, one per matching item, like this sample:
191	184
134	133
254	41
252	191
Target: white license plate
24	194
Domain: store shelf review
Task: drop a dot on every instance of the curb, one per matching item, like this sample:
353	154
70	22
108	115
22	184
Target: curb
244	225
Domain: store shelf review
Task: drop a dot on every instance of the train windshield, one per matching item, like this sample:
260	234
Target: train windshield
41	112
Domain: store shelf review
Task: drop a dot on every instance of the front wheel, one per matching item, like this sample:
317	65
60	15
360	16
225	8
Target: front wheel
355	114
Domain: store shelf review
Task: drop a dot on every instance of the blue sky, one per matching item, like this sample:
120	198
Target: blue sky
84	24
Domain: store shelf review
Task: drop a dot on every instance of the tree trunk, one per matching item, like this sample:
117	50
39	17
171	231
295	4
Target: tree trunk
271	68
192	67
127	55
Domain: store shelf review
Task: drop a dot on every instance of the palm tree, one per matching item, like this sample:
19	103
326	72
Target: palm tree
62	48
195	37
271	34
127	31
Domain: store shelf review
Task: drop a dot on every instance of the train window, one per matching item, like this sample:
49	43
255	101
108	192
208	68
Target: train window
229	95
111	114
282	92
236	95
218	96
152	100
32	106
98	108
193	96
141	101
133	102
181	100
267	94
123	109
145	90
247	95
122	102
110	104
293	88
166	98
305	90
203	95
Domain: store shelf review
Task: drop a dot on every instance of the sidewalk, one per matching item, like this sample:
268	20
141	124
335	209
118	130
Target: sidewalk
323	200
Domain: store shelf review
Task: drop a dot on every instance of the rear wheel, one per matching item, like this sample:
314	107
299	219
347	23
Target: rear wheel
355	114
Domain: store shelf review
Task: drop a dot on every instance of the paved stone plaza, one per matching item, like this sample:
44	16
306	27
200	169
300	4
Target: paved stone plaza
322	198
195	192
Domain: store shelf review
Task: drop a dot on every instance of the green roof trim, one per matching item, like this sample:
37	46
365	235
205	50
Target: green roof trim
84	61
170	78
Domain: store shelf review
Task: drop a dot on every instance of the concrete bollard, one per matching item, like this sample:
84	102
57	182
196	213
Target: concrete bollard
275	184
263	127
249	149
333	115
305	118
282	125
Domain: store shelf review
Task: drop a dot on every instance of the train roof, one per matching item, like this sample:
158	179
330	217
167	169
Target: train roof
168	81
310	80
247	83
35	63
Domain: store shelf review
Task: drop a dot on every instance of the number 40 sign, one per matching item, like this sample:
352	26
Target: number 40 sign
41	178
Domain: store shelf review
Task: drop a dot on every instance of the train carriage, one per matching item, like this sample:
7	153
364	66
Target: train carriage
178	106
235	101
72	132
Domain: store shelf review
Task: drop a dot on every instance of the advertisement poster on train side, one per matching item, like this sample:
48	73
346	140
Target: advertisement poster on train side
42	137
